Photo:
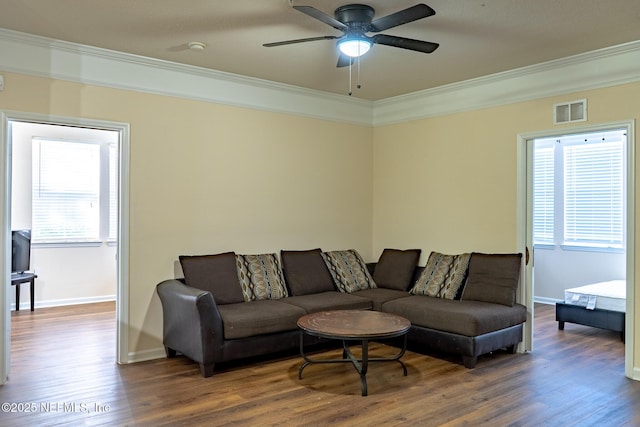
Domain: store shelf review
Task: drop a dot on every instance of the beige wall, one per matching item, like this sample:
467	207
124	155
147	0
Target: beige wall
207	178
448	183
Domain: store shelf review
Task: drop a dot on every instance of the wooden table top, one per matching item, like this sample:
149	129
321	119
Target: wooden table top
354	324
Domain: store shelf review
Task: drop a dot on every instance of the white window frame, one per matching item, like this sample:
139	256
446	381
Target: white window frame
107	164
542	200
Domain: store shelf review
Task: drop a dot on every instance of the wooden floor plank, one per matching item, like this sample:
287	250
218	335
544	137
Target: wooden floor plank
63	367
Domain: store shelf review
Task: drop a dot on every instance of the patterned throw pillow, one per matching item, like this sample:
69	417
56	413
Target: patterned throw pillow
348	270
442	276
260	277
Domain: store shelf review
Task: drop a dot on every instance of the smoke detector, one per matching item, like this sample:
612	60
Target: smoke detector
196	46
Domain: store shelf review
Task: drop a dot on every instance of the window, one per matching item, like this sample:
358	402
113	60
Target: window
543	195
73	191
579	194
593	196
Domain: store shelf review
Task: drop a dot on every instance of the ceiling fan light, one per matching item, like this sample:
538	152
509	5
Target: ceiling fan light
354	47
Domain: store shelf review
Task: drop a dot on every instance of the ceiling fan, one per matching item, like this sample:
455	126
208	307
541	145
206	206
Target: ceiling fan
355	20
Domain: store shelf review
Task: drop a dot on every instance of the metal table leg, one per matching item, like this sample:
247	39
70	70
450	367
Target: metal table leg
361	365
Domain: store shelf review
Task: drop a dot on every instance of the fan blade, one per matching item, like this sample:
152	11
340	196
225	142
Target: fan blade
344	60
410	14
310	39
321	16
404	43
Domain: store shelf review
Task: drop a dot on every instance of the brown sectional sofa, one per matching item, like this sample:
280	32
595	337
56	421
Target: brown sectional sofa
233	306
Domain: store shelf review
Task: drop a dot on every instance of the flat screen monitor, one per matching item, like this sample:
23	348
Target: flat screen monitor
20	251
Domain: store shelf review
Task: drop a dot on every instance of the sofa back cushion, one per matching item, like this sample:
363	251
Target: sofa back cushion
214	273
349	271
443	276
395	268
493	278
260	277
305	272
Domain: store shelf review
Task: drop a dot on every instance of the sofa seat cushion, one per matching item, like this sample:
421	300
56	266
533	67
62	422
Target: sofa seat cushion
258	317
379	296
468	318
329	301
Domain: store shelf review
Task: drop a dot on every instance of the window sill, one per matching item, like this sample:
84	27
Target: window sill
545	246
93	244
579	248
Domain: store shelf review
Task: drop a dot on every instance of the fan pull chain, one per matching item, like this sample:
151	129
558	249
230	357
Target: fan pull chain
358	82
350	65
358	85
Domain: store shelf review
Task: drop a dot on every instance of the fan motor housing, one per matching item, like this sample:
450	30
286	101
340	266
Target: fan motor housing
355	14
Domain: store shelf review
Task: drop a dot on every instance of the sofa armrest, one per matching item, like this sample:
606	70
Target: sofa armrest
191	322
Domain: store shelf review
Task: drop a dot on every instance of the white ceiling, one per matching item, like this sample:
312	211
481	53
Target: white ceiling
477	37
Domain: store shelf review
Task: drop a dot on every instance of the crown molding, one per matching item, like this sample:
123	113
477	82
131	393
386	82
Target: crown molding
596	69
43	57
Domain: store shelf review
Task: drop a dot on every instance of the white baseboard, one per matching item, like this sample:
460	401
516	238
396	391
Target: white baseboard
635	374
545	300
60	302
144	355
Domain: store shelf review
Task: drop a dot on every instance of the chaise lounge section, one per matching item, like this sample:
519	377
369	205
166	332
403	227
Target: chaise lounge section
232	306
484	319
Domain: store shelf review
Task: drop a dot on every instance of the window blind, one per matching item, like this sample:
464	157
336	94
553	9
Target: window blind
594	193
543	194
579	190
65	191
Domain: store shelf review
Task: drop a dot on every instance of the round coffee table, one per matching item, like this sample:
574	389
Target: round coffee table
354	325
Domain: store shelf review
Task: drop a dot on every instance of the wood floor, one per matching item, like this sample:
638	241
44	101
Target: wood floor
63	372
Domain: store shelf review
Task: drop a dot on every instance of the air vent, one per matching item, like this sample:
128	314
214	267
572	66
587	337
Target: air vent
574	111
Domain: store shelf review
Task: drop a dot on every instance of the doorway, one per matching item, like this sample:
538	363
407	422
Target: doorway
119	246
64	193
526	220
579	207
